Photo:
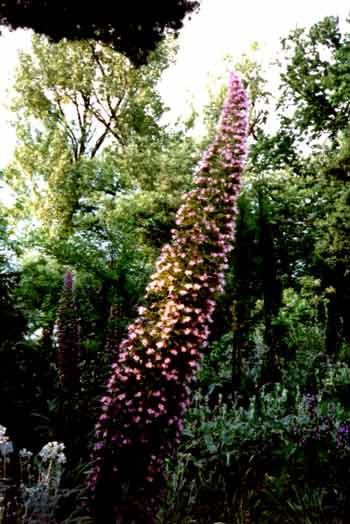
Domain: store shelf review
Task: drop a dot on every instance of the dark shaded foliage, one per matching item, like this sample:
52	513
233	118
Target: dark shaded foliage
12	321
133	28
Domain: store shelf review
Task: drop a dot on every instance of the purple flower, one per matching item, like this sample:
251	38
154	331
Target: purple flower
68	338
138	429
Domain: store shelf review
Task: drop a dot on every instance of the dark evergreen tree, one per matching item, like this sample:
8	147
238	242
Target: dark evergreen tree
133	28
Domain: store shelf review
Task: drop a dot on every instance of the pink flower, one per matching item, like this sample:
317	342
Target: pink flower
190	271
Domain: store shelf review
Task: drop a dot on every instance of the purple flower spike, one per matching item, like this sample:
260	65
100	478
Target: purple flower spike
68	339
148	392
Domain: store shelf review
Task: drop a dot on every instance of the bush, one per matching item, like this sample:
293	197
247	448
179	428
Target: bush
251	462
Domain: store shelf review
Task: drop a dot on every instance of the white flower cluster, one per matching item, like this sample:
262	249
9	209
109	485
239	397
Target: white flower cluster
3	437
25	454
6	446
53	451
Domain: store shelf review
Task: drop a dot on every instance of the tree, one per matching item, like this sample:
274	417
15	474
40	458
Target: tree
315	83
332	248
281	209
133	28
260	259
72	101
13	322
98	182
88	132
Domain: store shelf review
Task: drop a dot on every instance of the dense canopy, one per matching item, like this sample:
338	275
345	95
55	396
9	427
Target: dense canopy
133	28
219	387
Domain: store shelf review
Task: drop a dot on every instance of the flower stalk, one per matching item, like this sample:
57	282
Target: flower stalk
68	339
148	392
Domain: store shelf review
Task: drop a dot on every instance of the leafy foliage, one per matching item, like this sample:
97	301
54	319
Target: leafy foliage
131	28
98	181
316	79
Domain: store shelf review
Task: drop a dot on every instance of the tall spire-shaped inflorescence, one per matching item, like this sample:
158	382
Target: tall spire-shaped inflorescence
148	391
68	338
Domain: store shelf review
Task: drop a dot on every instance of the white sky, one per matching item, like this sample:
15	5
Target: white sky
221	27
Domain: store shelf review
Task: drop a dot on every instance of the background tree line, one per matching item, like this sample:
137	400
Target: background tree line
97	180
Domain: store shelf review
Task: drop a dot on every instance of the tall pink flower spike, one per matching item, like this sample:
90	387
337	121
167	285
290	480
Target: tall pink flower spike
148	392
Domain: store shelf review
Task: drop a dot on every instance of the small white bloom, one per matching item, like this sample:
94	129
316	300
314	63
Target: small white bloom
61	458
25	453
6	447
51	451
3	437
